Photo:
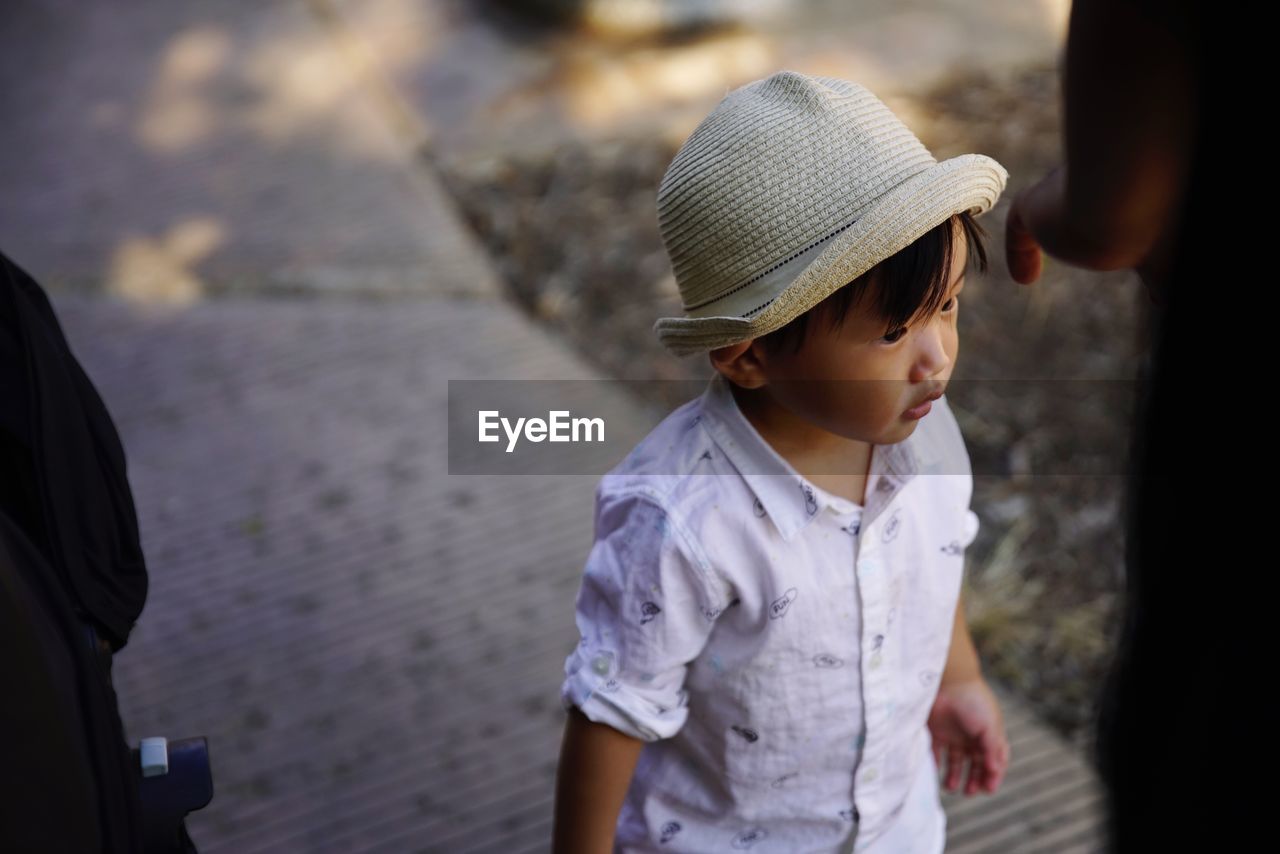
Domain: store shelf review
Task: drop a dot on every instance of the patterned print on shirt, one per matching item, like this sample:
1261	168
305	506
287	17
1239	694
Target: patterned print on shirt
758	508
891	527
850	814
782	603
746	732
669	830
782	781
712	613
648	611
749	837
824	659
810	500
952	548
876	641
853	527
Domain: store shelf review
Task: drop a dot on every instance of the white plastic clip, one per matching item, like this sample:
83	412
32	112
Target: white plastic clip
154	754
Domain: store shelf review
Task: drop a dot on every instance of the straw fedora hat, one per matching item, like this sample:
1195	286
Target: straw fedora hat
792	187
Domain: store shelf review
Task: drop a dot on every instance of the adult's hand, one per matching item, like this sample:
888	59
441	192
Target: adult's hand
1022	250
1038	223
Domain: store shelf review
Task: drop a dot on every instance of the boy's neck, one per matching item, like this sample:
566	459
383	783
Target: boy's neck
834	463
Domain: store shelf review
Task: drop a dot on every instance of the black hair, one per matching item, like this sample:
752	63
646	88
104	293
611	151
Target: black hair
911	283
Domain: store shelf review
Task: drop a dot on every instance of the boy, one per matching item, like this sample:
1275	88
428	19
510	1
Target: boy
785	640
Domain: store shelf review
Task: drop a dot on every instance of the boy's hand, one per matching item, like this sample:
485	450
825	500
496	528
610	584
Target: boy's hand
966	720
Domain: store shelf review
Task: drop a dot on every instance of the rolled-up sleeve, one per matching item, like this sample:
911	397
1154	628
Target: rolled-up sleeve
645	609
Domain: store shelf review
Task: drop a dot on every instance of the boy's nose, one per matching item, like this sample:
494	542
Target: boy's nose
932	356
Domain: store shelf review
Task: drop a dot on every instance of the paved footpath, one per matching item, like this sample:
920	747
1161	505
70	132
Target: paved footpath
272	293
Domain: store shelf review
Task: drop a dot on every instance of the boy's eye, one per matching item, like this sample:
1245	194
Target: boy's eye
896	335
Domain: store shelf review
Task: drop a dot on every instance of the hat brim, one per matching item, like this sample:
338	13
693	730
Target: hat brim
968	182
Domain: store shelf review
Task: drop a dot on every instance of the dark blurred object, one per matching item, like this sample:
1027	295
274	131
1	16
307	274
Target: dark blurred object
73	582
63	465
1176	711
636	18
1147	185
66	780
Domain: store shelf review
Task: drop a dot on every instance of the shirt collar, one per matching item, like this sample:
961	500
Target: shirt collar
789	498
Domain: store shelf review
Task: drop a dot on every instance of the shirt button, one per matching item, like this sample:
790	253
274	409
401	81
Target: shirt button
870	775
601	664
875	660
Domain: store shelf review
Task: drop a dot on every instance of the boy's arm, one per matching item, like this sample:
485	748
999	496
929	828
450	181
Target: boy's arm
962	657
628	674
596	764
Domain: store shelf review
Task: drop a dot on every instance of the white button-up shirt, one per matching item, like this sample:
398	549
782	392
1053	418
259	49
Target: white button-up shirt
778	647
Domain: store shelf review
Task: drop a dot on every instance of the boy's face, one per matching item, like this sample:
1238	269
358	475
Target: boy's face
857	381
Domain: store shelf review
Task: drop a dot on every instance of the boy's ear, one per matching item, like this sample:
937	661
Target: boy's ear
740	364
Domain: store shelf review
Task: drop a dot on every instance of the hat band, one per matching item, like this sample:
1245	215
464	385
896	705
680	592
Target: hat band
754	295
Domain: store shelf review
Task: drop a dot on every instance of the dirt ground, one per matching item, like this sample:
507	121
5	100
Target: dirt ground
1043	387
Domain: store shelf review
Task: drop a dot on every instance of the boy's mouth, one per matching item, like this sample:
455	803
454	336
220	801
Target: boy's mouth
934	395
922	408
